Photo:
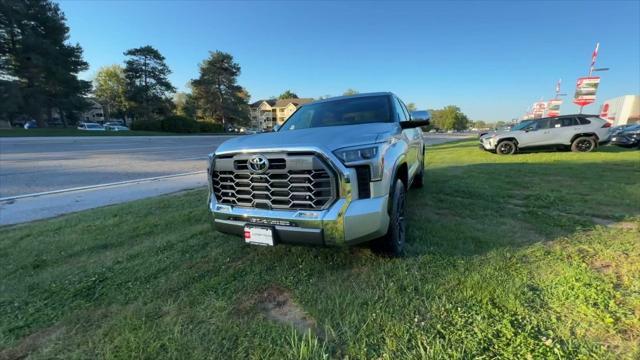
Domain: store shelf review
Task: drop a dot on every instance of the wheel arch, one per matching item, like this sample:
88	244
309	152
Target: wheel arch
585	134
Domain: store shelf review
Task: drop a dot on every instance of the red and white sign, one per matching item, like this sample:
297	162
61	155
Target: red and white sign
586	88
538	109
553	108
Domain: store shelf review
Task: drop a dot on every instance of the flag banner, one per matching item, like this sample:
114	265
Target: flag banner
586	88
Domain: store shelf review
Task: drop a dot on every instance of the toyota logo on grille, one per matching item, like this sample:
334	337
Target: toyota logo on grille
258	164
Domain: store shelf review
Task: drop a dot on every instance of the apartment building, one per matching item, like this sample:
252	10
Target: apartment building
265	114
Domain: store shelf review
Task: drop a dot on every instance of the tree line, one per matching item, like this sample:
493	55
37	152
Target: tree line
39	76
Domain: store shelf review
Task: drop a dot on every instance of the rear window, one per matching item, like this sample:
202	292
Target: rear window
584	121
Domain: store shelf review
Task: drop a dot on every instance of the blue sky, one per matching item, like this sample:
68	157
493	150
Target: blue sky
493	59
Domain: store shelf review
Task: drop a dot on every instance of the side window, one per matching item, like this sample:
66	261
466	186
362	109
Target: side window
399	111
542	124
584	121
556	123
569	121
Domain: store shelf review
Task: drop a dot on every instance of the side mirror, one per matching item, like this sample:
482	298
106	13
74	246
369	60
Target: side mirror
276	128
528	128
418	118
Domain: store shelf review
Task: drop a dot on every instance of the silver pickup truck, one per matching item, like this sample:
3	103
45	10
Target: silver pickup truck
335	173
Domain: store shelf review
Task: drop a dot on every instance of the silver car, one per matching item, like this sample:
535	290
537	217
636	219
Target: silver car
579	132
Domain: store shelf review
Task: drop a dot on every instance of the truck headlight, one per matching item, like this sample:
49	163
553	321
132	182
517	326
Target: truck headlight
369	155
351	155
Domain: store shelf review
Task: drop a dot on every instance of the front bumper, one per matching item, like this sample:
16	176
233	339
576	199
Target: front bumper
340	224
487	144
348	221
624	140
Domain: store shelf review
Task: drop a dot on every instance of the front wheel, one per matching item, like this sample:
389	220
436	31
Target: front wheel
506	147
393	242
583	144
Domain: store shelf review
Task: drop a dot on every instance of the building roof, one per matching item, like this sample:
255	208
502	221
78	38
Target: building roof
271	102
296	102
282	102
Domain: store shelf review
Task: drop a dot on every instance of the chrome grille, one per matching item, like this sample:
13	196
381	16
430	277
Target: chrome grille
292	182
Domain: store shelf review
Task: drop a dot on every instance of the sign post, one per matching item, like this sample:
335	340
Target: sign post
586	87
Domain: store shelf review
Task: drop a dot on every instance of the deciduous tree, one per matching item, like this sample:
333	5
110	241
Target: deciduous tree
288	95
110	90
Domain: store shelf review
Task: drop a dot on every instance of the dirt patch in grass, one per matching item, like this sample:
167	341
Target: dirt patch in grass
31	343
277	304
624	225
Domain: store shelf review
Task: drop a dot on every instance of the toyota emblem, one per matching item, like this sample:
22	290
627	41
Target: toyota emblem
258	164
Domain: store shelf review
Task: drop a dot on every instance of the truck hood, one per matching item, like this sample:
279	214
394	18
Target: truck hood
329	138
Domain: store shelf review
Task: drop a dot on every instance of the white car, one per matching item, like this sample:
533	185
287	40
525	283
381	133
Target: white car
90	127
579	132
115	127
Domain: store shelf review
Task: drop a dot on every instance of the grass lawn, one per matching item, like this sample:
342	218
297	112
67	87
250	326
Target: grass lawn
526	256
75	132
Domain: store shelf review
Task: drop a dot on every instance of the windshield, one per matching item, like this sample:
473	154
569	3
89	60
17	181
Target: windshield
522	125
350	111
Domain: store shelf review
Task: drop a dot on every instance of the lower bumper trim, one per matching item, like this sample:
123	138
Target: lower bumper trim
283	234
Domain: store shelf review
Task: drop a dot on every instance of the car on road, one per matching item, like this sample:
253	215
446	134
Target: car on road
90	127
581	133
628	137
336	172
31	124
115	127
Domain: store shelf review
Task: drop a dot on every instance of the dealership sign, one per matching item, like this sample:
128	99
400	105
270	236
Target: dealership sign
553	107
538	109
586	88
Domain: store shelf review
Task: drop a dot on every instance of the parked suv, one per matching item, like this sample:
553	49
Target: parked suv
578	132
335	173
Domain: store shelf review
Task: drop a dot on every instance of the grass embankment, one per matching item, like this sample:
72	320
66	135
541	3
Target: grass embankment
76	132
526	256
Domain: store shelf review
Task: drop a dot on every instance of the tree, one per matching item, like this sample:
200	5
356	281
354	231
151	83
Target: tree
449	117
110	90
217	94
288	95
35	58
350	92
185	105
411	107
147	83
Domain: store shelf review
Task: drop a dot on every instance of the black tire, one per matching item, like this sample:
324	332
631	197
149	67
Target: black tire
392	243
506	147
583	144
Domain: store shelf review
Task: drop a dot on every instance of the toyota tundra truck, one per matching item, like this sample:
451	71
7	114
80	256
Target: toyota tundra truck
336	172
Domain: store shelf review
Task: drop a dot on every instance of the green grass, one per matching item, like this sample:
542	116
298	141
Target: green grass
506	258
75	132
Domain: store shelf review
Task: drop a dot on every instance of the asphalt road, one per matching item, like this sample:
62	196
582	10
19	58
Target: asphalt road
33	165
82	173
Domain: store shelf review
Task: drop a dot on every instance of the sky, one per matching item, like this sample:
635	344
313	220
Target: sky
492	59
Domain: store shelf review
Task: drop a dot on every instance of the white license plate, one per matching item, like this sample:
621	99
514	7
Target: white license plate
258	235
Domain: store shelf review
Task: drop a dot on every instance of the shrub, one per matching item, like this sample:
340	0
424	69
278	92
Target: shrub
179	124
209	127
146	125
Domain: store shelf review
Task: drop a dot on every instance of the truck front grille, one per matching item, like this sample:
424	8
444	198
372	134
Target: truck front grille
291	182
